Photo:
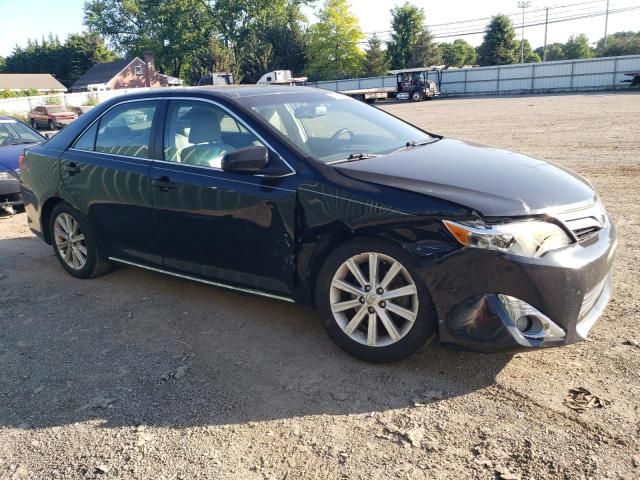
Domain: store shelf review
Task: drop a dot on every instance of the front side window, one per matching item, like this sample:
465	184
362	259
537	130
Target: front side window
200	133
330	127
123	130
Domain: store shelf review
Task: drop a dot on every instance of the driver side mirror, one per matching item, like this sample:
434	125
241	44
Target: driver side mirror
246	160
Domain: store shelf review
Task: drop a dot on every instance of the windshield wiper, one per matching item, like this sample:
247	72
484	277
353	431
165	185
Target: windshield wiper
416	143
20	142
352	157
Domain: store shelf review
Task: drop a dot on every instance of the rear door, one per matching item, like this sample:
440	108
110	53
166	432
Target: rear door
233	228
105	173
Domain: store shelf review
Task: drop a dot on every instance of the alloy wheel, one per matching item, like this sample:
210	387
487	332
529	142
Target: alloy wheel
373	299
70	241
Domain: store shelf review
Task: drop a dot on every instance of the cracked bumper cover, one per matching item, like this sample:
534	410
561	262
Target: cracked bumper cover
571	287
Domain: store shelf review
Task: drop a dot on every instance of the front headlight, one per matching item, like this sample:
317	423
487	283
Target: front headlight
532	238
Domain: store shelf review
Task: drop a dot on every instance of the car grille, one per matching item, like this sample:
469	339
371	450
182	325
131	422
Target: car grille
591	297
585	223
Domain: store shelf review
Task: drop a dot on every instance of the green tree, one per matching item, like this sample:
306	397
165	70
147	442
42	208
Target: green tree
620	43
425	52
264	34
407	25
555	51
376	63
332	51
577	47
458	53
499	44
65	61
172	30
83	51
258	34
529	55
1	64
215	57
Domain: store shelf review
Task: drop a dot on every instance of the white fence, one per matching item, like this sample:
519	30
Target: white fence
561	76
22	105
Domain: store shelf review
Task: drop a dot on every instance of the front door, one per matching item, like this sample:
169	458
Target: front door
229	227
106	172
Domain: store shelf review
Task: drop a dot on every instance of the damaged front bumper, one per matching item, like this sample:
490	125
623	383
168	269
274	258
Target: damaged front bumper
489	301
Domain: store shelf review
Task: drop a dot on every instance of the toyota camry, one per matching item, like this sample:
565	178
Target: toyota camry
394	234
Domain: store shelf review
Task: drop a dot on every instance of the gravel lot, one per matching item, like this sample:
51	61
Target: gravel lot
138	375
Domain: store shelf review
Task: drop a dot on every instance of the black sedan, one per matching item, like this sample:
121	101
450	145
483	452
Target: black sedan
394	234
14	135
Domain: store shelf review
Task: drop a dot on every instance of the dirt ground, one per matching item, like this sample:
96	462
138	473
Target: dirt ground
138	375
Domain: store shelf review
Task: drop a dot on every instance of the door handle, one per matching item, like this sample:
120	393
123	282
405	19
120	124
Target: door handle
71	168
163	183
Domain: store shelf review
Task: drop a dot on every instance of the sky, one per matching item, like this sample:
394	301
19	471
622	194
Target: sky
21	20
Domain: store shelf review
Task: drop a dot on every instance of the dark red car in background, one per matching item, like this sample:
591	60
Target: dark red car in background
51	116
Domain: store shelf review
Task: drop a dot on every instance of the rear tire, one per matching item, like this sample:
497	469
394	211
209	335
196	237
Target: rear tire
374	321
75	243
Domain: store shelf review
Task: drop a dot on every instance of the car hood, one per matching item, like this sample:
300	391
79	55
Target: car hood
9	157
492	181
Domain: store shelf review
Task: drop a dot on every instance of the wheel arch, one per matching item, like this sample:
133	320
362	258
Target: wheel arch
324	244
45	216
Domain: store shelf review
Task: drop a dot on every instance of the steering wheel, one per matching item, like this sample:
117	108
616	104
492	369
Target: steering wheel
336	136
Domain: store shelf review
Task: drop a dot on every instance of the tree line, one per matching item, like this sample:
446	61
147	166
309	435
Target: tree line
191	38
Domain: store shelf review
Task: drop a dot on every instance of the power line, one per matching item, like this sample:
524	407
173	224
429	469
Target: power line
557	20
483	19
474	27
530	15
532	23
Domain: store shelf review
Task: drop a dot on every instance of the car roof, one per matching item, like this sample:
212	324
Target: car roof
7	117
221	91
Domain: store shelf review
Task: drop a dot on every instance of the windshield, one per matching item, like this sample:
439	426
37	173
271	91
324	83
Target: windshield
14	133
332	127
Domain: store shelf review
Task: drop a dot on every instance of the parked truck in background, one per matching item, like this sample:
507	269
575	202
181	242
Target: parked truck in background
216	78
407	84
281	77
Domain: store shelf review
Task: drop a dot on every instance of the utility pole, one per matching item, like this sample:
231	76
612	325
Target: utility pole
523	5
606	24
546	24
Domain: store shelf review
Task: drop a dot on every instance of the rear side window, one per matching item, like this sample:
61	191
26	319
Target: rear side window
87	141
123	130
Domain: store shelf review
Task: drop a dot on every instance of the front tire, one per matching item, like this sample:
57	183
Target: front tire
417	96
372	304
34	124
75	243
52	126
